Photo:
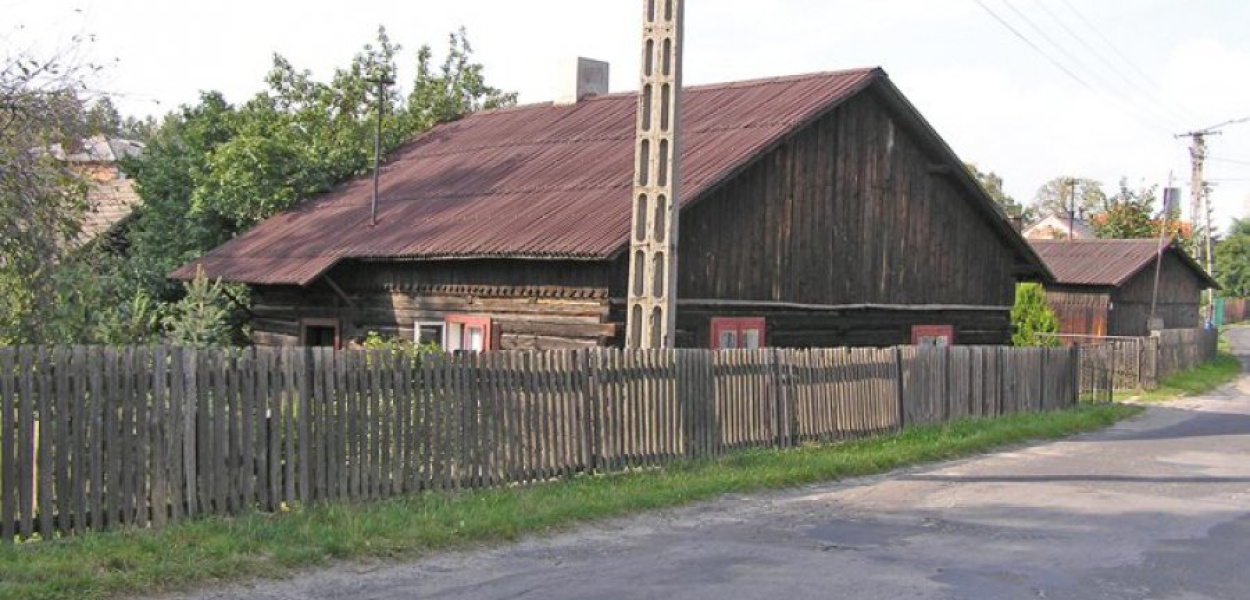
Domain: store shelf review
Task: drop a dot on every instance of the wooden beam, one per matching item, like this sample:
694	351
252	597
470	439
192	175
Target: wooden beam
338	290
766	304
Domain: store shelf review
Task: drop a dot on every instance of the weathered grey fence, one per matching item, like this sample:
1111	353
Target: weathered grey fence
1140	362
93	438
1181	349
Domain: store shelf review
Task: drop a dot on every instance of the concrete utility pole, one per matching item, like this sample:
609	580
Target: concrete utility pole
1199	206
1200	201
650	320
1197	185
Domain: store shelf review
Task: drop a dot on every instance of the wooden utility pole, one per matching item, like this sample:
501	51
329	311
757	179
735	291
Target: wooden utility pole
650	320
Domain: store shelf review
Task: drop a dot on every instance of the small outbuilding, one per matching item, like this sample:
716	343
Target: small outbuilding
1107	287
816	210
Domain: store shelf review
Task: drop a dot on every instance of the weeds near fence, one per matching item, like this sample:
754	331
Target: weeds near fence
186	555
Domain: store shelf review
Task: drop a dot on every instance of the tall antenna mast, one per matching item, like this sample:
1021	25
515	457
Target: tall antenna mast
651	317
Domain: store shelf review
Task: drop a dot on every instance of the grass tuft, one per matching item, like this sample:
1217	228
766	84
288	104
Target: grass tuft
262	545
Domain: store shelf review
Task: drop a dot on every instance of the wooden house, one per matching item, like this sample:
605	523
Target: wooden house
1106	287
816	210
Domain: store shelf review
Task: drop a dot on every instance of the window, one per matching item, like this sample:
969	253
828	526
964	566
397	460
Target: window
429	332
474	334
319	332
738	332
932	335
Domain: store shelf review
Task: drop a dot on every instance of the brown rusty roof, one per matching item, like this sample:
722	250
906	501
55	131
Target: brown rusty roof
1106	262
538	182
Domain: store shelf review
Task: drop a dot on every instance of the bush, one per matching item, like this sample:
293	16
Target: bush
1033	323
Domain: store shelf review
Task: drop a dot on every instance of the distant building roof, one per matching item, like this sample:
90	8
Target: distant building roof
109	203
1106	262
111	197
98	149
1056	227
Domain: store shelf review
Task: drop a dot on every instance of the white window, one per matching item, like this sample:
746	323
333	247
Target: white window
429	332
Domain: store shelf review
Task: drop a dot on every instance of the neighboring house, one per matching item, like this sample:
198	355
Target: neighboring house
111	197
817	210
1060	227
1105	287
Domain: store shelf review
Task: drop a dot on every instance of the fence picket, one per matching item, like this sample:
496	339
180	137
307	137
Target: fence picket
91	438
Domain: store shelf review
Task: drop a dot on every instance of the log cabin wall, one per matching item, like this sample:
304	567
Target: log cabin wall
1180	293
852	209
532	304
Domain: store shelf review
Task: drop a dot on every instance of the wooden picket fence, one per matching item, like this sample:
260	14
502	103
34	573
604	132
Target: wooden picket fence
1137	363
93	438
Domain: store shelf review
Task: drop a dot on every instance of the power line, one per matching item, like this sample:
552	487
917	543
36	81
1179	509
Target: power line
1039	50
1127	100
1115	50
1233	161
1112	68
1146	120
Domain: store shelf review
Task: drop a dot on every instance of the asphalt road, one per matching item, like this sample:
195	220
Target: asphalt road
1155	508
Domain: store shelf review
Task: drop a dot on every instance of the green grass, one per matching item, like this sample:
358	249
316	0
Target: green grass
1198	380
265	545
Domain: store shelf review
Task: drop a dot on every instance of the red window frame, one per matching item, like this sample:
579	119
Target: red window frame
466	322
738	326
932	331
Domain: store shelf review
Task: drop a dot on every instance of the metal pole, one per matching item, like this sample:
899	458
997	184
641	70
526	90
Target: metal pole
377	145
1071	209
1163	228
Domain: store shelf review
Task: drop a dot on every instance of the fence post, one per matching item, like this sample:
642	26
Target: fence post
1075	352
590	389
902	403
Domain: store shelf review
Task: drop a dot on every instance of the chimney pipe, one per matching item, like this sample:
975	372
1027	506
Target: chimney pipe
580	78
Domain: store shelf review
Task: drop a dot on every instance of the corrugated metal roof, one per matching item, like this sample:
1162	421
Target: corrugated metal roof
539	181
1105	262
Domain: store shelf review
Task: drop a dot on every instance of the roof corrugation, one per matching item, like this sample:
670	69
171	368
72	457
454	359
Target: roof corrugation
538	181
1104	262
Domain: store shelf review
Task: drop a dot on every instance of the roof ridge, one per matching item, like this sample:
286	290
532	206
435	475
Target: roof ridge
720	85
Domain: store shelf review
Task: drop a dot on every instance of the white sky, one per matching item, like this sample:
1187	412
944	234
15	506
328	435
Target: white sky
996	101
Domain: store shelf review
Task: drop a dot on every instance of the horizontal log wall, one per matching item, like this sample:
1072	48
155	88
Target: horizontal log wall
97	438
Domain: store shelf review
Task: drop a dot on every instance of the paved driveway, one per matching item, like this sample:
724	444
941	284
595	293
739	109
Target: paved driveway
1156	508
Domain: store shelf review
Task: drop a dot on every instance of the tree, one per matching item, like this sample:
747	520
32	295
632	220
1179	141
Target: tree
41	200
1232	261
102	118
1127	215
214	169
1054	197
203	316
993	185
1032	319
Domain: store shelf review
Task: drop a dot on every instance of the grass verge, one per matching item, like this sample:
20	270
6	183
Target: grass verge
264	545
1198	380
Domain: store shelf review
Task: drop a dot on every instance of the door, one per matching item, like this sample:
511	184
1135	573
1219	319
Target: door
737	332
